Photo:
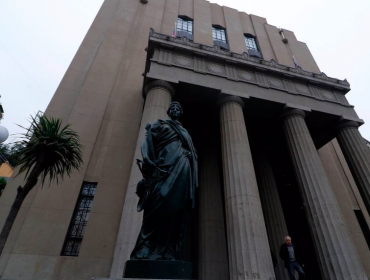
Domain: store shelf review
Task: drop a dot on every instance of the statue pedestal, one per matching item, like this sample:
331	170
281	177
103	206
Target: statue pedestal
148	269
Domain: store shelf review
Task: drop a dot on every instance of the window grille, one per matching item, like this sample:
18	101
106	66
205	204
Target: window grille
184	25
252	47
79	220
250	42
219	34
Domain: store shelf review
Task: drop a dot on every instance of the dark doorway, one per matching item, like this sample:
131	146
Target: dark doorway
201	119
267	132
295	217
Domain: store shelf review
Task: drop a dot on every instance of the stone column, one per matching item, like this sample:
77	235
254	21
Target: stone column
249	251
158	98
336	254
272	210
357	155
212	242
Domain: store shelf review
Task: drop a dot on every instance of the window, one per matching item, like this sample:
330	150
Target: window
363	225
219	37
185	24
219	34
251	43
79	220
184	28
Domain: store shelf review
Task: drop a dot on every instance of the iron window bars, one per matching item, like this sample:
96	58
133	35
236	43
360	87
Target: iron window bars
219	37
250	42
184	28
72	243
252	47
185	25
219	34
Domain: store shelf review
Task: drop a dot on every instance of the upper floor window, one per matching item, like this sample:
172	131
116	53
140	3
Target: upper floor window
184	27
219	37
252	46
250	42
219	34
185	24
72	243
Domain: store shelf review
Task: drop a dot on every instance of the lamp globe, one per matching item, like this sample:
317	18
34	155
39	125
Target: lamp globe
4	133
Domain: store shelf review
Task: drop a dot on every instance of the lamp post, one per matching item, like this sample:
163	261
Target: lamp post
4	133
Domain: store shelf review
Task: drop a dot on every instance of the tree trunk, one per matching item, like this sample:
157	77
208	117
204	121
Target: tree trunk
21	195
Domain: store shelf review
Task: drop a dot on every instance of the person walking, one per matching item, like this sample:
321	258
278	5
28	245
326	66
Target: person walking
289	255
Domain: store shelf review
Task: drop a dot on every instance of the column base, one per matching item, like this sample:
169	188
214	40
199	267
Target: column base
150	269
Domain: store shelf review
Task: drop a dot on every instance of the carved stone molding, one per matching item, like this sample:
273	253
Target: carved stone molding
302	89
216	69
182	60
236	72
275	83
246	76
327	94
272	64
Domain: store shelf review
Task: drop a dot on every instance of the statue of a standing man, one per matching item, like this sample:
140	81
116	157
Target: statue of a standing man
170	172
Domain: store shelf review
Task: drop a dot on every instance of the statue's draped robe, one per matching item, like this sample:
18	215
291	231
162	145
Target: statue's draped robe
165	201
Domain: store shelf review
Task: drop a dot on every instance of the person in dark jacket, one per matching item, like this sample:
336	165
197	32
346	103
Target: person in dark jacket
289	255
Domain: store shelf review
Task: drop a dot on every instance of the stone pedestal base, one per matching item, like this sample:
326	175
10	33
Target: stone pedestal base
147	269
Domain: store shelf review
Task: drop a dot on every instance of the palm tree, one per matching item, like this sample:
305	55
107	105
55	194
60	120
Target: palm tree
45	150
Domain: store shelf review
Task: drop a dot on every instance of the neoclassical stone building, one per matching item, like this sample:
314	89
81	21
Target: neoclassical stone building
279	149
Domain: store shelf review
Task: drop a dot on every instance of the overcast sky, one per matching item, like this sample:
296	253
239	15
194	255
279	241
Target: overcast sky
39	38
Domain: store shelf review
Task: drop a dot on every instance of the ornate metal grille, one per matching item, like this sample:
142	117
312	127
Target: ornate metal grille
185	25
250	42
218	34
79	220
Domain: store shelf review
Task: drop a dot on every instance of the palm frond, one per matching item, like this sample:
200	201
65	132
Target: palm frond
56	150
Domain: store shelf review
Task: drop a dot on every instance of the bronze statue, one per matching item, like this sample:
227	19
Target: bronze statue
170	173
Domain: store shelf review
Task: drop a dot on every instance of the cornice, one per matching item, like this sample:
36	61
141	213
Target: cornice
239	73
244	60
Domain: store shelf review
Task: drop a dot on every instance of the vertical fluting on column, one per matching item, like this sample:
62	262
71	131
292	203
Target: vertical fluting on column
336	254
158	98
212	242
249	251
272	210
357	155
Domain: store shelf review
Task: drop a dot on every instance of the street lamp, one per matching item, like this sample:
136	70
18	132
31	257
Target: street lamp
4	133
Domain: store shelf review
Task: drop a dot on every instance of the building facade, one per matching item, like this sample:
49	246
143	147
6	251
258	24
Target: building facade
278	144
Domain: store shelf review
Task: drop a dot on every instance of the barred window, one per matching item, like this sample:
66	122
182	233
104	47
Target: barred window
185	24
219	34
79	220
250	42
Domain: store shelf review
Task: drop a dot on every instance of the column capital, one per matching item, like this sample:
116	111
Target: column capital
292	111
344	124
159	84
348	122
230	99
